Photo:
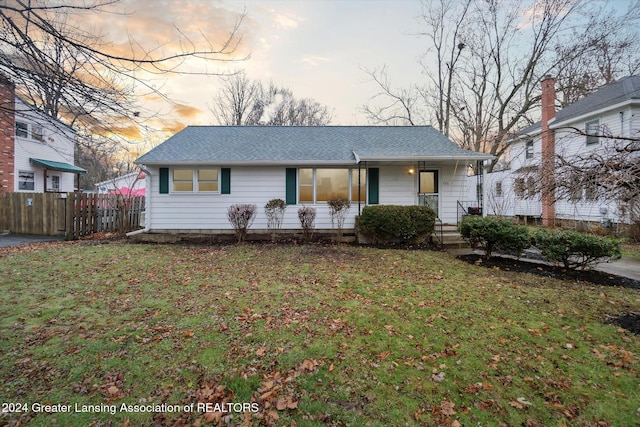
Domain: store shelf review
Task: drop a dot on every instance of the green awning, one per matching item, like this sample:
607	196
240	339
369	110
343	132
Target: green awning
57	166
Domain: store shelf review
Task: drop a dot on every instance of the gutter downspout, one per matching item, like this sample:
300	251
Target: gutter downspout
147	200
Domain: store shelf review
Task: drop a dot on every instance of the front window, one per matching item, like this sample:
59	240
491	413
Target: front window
592	129
26	181
332	184
196	180
306	185
321	185
358	185
182	180
207	179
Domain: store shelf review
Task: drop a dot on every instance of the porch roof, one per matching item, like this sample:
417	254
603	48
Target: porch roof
57	166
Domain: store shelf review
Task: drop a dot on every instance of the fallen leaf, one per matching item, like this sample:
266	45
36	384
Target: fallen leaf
438	377
524	401
113	390
446	407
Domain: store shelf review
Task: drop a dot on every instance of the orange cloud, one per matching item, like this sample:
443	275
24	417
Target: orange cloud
186	111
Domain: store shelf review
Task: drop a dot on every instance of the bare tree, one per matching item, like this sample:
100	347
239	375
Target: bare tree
245	102
75	76
484	83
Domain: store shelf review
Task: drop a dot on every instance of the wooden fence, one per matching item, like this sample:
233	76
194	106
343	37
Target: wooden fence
72	215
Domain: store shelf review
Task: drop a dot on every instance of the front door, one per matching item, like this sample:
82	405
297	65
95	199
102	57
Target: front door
428	189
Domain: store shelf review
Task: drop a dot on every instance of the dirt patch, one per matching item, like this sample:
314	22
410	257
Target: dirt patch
628	321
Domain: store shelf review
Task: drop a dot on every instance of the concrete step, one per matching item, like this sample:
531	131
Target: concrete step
451	238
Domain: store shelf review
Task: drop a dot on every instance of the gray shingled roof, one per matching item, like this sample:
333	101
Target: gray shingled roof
304	144
625	89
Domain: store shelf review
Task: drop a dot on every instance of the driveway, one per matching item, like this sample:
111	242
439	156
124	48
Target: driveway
7	240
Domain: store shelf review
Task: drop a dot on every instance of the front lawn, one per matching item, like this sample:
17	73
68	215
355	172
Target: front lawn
305	335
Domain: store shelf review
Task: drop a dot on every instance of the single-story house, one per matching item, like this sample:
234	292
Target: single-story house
194	176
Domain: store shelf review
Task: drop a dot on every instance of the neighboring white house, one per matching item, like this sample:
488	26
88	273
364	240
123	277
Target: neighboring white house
613	111
194	176
44	153
130	184
37	151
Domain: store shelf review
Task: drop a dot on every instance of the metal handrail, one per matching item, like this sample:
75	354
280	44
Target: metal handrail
439	226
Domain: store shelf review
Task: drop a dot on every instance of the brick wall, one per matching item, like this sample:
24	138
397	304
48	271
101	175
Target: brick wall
7	135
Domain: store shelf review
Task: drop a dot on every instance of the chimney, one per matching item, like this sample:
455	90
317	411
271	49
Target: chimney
7	134
547	167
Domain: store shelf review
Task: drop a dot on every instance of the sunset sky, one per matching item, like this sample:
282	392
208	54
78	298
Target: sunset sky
318	49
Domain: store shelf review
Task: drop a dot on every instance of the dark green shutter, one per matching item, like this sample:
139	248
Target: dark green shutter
164	180
225	181
291	186
374	185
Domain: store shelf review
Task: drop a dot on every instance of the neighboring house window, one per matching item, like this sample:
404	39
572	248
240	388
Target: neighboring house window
592	129
321	185
591	192
575	193
36	133
22	130
531	187
499	189
519	187
195	180
26	181
529	149
55	183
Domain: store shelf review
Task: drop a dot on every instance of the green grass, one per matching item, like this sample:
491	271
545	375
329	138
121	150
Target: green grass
631	250
319	335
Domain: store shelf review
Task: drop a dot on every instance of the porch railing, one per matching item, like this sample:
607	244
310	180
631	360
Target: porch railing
468	207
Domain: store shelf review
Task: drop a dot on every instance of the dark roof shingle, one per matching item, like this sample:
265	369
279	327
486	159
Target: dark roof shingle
291	144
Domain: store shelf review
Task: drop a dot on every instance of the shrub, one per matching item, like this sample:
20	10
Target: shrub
576	250
338	208
389	223
241	217
307	217
274	210
493	233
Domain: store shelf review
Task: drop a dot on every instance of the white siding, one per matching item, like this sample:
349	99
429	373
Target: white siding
569	144
257	185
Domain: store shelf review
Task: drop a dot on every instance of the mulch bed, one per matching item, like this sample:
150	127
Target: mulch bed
628	321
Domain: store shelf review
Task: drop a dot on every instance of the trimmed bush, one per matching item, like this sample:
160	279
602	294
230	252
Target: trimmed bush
574	249
495	234
390	223
307	217
338	209
241	217
274	210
